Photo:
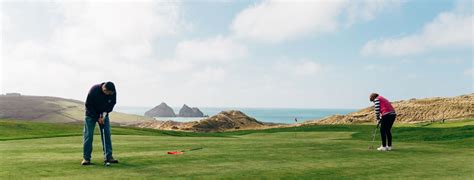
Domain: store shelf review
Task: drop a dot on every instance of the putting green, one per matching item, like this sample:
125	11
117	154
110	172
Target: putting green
303	152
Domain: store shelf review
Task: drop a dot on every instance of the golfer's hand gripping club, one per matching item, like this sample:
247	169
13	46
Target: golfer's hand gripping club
101	118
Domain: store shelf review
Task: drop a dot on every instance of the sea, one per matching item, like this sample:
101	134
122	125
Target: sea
271	115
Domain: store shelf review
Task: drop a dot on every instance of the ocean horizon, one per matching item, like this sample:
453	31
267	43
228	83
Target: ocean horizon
270	115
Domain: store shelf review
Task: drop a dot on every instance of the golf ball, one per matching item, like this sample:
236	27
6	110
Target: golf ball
107	164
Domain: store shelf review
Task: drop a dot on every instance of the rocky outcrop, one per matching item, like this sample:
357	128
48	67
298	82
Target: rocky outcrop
413	111
224	121
161	125
187	111
162	110
227	120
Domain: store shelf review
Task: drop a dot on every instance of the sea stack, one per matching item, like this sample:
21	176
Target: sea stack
187	111
162	110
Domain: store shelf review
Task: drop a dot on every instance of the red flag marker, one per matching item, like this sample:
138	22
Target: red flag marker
175	152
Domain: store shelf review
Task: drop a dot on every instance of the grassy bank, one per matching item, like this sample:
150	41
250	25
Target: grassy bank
434	151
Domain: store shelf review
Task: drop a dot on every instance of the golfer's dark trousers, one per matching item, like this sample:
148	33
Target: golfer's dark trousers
89	126
386	128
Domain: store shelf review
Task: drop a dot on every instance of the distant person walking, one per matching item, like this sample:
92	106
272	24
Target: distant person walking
385	115
100	102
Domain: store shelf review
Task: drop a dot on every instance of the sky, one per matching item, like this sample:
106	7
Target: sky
287	54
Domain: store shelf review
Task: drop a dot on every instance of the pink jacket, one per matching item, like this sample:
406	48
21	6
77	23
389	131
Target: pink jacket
382	107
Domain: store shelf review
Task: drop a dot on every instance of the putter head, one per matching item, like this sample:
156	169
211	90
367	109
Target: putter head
107	164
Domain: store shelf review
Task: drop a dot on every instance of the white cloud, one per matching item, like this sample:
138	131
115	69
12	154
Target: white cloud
378	68
216	49
203	59
104	32
208	76
451	29
88	42
109	31
366	10
303	67
204	63
469	72
92	42
276	21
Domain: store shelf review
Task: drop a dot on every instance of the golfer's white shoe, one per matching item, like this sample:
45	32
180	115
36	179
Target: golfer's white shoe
382	148
389	148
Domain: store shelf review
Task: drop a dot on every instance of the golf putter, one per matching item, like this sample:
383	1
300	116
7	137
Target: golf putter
105	146
192	149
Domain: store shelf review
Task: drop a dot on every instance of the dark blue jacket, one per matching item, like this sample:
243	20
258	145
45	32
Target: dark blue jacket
98	102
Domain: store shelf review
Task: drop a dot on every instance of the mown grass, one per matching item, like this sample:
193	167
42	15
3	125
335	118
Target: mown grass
431	151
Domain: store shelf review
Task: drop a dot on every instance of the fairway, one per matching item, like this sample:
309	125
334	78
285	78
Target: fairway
434	151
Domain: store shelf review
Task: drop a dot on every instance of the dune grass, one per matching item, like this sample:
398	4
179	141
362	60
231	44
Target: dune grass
433	151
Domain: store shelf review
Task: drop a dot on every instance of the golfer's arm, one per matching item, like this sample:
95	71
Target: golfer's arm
110	109
377	109
89	104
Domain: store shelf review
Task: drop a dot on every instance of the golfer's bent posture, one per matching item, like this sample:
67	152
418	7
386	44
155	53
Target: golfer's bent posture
100	102
385	114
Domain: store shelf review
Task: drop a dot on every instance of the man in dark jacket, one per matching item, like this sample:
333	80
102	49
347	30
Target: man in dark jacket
100	102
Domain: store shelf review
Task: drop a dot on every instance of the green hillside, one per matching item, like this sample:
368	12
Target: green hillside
54	110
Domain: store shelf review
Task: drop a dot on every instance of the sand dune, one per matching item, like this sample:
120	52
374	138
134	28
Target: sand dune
413	111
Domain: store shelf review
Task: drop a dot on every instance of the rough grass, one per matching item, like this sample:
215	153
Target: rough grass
431	151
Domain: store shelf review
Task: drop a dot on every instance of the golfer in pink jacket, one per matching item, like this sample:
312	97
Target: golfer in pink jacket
385	114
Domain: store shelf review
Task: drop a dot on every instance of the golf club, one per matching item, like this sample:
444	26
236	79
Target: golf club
184	150
192	149
373	138
105	146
